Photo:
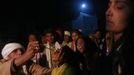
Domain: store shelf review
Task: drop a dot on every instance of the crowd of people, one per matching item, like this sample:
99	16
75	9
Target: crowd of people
65	52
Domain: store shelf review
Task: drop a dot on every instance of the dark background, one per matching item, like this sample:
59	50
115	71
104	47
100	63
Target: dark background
18	18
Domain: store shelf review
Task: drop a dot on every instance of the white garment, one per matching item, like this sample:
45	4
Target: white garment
49	50
57	46
48	55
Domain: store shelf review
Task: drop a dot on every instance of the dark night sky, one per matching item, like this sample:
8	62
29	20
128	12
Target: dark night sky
20	17
46	12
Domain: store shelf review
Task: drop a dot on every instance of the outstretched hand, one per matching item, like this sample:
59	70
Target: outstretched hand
32	48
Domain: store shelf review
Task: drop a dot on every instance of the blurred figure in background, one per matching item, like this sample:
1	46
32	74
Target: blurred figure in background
67	38
58	33
50	46
74	36
87	52
97	36
32	37
38	58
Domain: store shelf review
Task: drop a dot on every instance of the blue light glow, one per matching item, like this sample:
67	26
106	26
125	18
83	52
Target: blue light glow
83	5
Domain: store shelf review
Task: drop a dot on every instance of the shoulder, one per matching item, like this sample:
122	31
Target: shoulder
2	61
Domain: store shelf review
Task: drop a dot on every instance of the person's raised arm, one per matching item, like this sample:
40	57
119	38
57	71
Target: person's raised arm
30	51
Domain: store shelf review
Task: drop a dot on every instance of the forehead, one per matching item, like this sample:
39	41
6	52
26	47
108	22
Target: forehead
66	35
120	1
18	49
31	35
80	39
74	33
128	3
48	34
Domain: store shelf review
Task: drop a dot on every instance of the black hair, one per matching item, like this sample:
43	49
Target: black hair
69	55
128	32
89	45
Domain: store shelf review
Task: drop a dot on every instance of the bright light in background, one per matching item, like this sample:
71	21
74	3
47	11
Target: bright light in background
83	5
86	7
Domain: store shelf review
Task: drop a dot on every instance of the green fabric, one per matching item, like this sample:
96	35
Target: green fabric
70	71
64	69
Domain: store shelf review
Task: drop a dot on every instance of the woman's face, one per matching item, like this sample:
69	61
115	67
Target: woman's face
32	37
66	38
80	45
117	15
74	36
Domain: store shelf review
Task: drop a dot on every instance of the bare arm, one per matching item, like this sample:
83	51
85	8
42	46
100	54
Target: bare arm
31	50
